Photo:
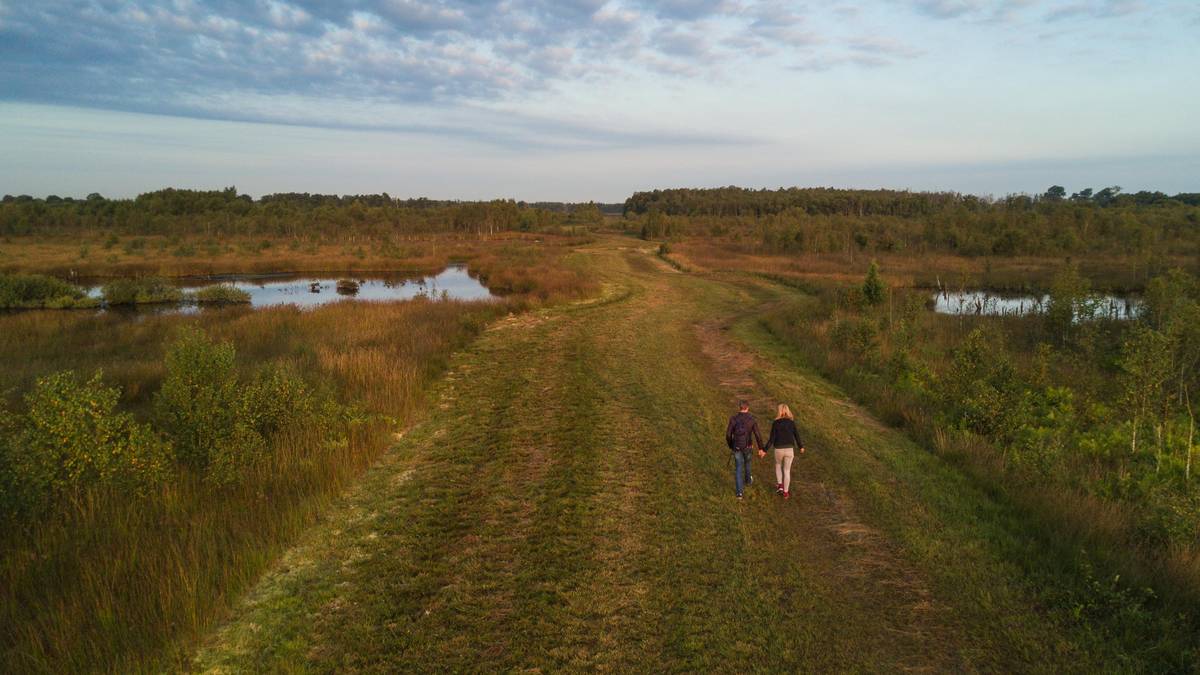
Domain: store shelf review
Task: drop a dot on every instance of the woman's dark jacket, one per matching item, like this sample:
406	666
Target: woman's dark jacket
784	434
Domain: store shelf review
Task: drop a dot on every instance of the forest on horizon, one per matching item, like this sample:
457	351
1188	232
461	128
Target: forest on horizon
785	220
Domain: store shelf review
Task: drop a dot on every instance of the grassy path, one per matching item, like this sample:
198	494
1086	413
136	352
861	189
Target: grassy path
568	505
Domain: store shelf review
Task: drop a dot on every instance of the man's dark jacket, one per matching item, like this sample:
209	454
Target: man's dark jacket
741	431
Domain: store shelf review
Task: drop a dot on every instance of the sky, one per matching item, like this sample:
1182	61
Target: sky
580	100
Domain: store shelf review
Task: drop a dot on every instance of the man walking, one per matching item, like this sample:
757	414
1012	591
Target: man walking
742	437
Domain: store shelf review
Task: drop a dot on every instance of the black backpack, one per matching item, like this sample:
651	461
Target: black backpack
740	438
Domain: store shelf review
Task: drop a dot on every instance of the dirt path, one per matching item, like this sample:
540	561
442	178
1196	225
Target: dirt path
568	505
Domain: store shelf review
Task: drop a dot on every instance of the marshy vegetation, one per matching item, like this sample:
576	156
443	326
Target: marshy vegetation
150	469
1079	409
36	291
1086	421
1081	423
177	455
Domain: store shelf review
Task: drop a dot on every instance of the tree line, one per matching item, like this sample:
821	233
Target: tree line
737	201
827	220
179	212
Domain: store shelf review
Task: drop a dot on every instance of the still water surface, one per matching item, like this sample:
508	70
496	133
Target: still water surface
268	290
993	304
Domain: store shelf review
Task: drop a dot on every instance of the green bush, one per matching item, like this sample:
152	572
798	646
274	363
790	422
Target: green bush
277	399
140	291
72	437
858	336
221	294
236	449
219	424
198	402
982	391
28	291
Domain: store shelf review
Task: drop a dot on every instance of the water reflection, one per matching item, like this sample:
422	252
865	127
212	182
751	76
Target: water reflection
453	283
984	303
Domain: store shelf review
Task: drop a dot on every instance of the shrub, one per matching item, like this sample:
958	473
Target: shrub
858	336
222	425
1168	295
72	437
982	391
144	290
27	291
197	404
277	400
221	294
873	288
1071	301
236	449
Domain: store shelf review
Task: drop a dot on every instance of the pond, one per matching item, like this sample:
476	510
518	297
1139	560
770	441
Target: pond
984	303
269	290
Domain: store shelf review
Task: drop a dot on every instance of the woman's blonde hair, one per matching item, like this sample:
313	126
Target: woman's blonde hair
784	411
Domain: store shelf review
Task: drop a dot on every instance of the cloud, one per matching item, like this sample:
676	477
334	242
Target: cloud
416	16
820	64
228	59
148	54
948	9
1005	11
865	52
883	47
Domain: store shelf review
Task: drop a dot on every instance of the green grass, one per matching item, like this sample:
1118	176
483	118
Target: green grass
565	503
574	511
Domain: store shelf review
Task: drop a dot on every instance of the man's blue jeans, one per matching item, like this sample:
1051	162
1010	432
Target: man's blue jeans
741	470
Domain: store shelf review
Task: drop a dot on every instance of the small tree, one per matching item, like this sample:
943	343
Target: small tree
982	390
873	289
1146	367
1056	193
1070	302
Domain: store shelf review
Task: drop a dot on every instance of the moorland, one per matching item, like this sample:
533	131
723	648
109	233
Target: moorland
538	480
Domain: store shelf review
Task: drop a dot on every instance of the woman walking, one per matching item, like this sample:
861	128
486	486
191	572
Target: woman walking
786	441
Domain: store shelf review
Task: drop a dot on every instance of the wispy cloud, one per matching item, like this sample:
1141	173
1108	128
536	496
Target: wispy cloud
146	55
870	51
884	46
948	9
1105	9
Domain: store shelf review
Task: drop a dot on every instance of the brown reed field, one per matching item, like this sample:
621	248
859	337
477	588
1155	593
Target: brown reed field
103	254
